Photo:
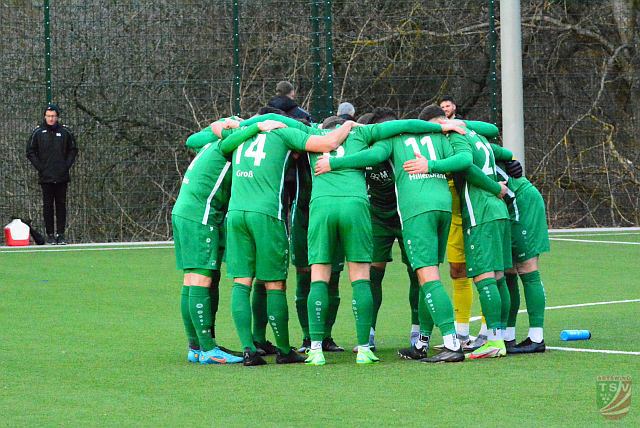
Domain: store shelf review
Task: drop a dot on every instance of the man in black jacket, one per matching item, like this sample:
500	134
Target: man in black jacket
52	150
284	100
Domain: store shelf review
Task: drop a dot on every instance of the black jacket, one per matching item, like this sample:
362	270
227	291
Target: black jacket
290	107
52	150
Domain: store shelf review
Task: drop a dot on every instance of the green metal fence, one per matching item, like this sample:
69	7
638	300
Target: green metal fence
135	78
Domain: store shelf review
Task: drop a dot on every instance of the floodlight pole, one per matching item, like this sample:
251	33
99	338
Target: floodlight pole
511	65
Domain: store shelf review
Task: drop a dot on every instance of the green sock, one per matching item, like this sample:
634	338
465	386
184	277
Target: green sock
303	282
334	303
377	276
505	302
424	317
362	306
278	312
439	306
259	311
414	296
200	310
317	306
214	295
189	329
535	297
241	313
490	302
514	293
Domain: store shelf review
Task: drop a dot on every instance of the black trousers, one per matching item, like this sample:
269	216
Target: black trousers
54	194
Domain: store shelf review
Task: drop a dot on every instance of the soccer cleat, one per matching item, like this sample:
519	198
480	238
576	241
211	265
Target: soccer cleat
366	357
510	345
229	351
446	356
51	239
266	347
475	344
413	353
291	358
329	345
528	346
413	338
252	358
315	357
491	349
306	344
217	356
194	355
60	239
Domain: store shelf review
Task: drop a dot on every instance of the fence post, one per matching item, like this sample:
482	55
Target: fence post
236	59
318	93
328	32
47	50
493	49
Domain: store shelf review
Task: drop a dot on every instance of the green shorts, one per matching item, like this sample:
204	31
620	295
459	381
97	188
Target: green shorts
339	223
384	232
529	230
197	245
299	243
425	238
257	246
487	247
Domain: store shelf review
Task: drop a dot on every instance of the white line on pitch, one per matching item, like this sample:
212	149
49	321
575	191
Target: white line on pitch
595	229
581	235
596	351
64	250
594	241
577	305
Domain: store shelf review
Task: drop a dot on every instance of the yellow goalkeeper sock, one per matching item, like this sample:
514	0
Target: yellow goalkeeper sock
462	298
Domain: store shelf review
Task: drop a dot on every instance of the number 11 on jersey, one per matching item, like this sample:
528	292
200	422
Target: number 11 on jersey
426	140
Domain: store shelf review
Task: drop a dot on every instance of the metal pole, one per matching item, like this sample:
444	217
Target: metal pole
318	93
236	59
47	51
329	55
511	63
493	50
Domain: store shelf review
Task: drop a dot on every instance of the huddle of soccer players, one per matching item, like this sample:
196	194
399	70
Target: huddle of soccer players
359	187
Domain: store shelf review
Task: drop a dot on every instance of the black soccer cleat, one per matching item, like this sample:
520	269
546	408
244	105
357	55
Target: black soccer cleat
446	356
252	358
528	346
266	347
51	239
329	345
229	351
291	358
510	345
60	239
306	344
413	353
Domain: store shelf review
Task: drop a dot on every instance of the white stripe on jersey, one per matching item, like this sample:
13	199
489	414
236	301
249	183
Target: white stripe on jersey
284	170
504	175
467	200
205	217
395	188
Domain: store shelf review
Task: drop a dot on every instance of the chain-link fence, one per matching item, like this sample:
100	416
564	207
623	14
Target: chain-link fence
135	78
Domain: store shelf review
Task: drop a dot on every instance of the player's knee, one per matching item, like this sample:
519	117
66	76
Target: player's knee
477	279
358	271
527	266
275	285
379	265
458	270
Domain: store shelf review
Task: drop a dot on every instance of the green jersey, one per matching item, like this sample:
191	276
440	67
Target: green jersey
516	186
478	205
351	182
416	193
258	167
205	189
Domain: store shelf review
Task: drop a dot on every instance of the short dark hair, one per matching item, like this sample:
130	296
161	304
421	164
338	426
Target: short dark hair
269	109
382	114
284	88
365	119
431	111
332	121
447	98
52	107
